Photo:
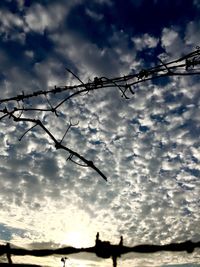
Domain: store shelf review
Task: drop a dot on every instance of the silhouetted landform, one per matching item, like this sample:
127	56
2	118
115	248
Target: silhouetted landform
183	66
102	249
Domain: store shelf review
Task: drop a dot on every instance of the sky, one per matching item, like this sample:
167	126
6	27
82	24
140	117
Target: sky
147	146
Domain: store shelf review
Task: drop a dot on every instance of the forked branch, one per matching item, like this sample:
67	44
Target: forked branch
57	144
183	66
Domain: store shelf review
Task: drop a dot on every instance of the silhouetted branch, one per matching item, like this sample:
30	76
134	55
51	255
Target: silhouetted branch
27	131
70	125
76	77
52	108
183	66
169	71
58	145
102	249
77	163
119	87
183	63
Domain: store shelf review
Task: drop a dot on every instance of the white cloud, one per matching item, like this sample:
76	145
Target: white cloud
39	17
94	15
29	54
147	146
10	20
20	4
145	41
192	34
169	37
173	44
12	27
91	60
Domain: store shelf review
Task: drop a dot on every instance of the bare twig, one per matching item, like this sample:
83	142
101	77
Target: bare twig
77	78
52	108
70	125
58	145
27	131
169	71
183	66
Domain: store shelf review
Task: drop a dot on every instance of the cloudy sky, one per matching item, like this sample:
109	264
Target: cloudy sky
147	146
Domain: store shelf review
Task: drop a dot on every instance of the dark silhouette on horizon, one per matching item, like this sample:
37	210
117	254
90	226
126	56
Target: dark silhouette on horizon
102	249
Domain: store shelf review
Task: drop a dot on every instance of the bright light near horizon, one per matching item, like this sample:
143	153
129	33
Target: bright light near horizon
75	239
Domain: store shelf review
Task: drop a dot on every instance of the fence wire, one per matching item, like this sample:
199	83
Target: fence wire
183	66
102	249
17	108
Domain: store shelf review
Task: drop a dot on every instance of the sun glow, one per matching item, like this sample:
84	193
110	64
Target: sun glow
75	239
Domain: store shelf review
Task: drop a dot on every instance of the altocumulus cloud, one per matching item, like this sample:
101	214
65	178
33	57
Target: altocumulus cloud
148	146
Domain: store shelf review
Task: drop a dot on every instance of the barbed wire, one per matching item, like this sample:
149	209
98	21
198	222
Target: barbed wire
183	66
102	249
